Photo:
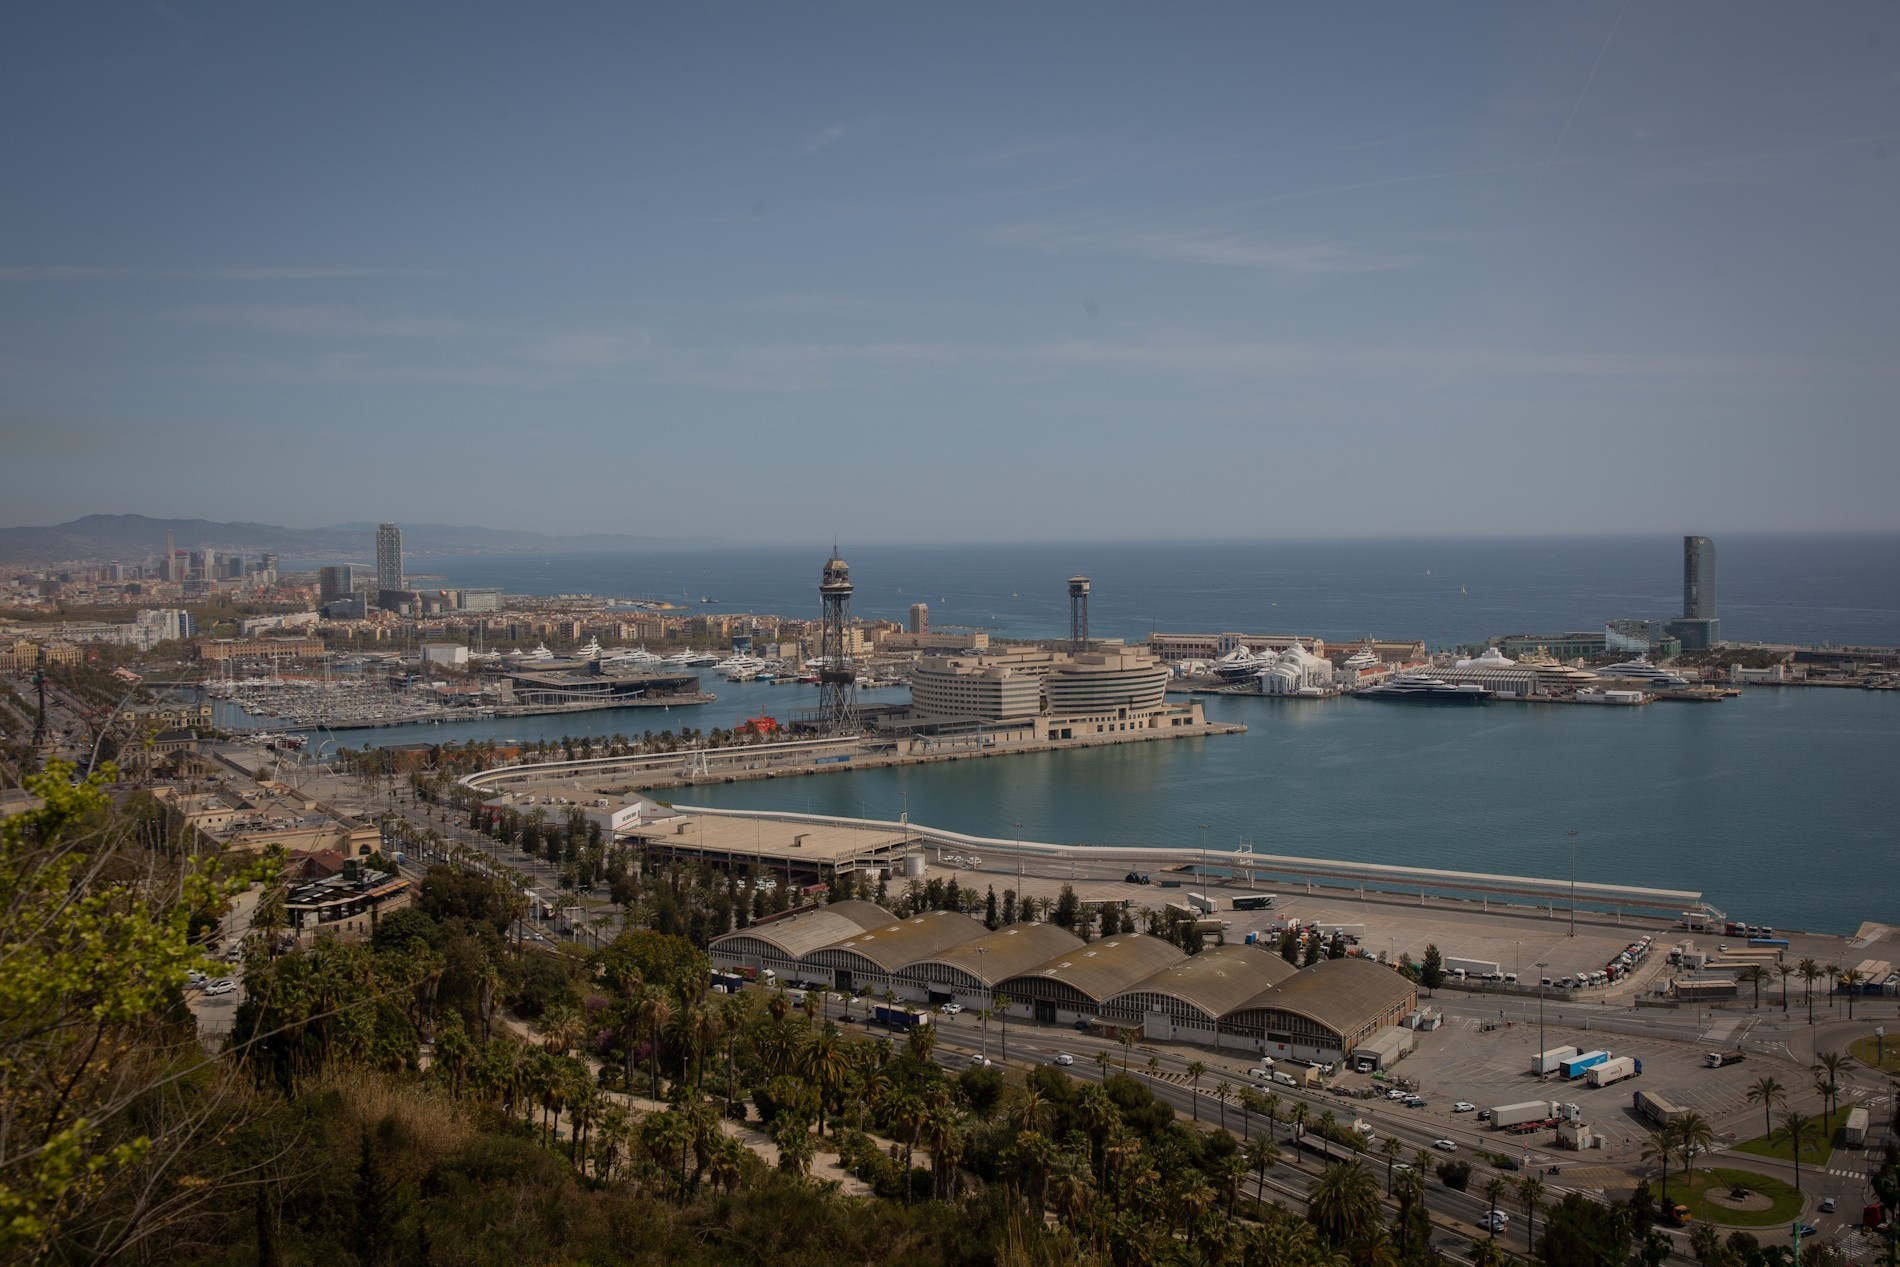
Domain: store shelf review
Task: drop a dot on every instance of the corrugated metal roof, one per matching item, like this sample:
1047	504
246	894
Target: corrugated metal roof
894	944
1218	980
1011	949
1337	993
1105	968
800	934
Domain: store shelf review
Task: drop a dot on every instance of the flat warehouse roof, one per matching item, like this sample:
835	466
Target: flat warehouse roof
771	840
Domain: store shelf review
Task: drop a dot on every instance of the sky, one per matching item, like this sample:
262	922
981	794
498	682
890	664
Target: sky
957	272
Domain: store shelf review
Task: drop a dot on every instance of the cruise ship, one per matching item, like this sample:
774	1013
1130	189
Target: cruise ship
1641	670
1416	688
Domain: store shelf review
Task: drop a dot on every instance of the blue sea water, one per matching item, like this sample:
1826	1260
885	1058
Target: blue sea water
1781	805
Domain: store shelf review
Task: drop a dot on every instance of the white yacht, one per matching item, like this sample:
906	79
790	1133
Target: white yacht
592	651
539	653
1641	670
1416	688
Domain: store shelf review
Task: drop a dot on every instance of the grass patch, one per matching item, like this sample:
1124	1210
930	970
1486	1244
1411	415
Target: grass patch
1694	1193
1863	1050
1820	1144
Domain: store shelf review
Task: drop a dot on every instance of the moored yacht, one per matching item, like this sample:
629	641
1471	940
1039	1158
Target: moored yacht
1641	670
1416	688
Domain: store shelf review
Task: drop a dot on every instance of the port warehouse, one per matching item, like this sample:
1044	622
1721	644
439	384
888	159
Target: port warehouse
1237	996
817	846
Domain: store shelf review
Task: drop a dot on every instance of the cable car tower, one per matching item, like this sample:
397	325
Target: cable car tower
838	677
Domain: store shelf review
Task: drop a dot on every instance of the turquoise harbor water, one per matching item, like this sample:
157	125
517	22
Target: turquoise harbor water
1781	805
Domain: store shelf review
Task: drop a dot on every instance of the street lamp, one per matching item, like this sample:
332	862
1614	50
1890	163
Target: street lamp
1203	853
1540	1015
1573	882
1019	870
984	977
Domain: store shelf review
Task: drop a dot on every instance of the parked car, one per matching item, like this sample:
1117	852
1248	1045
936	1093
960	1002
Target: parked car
951	1009
1484	1115
223	985
1414	1102
1445	1145
1464	1106
1064	1058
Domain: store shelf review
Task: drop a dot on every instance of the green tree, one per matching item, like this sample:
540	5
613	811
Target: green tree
1431	970
1343	1204
1770	1094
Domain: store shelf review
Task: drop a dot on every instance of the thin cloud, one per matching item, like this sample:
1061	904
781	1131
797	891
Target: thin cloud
825	138
1201	246
98	272
316	321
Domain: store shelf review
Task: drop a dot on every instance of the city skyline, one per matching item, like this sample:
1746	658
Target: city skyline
1273	275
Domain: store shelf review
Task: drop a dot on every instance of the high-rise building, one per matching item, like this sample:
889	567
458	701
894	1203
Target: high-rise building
389	557
1698	629
336	580
920	618
267	566
1698	578
169	563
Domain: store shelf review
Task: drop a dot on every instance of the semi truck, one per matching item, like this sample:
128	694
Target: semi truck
1254	902
897	1016
1576	1066
1472	967
1722	1059
1510	1115
1854	1133
1658	1110
1547	1061
1614	1071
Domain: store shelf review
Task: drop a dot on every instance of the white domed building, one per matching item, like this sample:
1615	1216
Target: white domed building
1297	671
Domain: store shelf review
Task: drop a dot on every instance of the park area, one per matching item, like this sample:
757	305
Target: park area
1711	1198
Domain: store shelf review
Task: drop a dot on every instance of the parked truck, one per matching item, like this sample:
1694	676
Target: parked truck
1658	1110
1254	902
1722	1059
1854	1133
1201	902
897	1016
1547	1061
1482	968
1575	1067
1613	1071
1510	1115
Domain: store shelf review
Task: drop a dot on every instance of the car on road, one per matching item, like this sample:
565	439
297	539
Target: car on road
1484	1115
980	1061
1493	1220
1464	1106
951	1009
1396	1094
1827	1205
1064	1058
223	985
1808	1229
1445	1145
1414	1102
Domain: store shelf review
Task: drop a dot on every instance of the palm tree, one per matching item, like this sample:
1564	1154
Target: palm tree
1001	1003
1128	1045
1410	1191
1768	1093
1828	1090
1325	1126
1222	1091
1755	975
1850	982
1694	1137
1343	1204
1487	1253
1494	1191
1103	1059
1390	1150
1530	1191
1834	1064
1298	1117
1195	1069
1261	1154
1796	1130
1154	1067
1270	1106
923	1041
1249	1100
1833	972
656	1010
1660	1148
1810	971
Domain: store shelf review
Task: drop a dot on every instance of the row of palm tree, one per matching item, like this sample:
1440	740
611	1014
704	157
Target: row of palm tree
1840	980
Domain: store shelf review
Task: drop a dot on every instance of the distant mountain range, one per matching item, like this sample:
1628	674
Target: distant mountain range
133	537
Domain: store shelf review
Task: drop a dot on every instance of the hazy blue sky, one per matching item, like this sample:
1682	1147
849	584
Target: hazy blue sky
901	272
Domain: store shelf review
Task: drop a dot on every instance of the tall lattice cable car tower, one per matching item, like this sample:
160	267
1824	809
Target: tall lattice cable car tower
838	679
1078	613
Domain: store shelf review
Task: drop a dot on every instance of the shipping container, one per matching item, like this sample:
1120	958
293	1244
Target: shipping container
1516	1114
1576	1066
1547	1062
1854	1134
1611	1071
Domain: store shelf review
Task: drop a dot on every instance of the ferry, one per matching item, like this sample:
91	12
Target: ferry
1416	688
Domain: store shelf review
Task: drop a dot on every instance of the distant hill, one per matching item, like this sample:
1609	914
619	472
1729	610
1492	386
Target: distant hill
132	537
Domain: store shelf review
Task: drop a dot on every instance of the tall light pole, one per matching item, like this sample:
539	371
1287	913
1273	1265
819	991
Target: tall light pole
1203	854
1573	882
1540	1014
984	977
1019	870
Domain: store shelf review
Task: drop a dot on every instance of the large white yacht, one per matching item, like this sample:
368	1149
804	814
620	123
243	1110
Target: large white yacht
1641	670
1416	688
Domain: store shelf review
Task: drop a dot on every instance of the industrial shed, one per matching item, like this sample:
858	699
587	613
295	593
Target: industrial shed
777	944
1186	1000
1076	984
1322	1012
966	974
870	958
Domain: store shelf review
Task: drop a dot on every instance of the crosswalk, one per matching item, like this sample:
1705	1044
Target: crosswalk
1846	1174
